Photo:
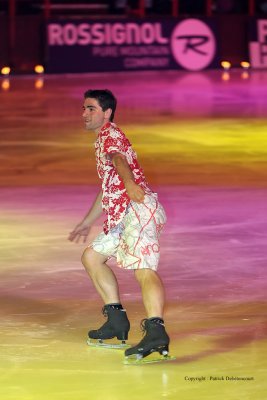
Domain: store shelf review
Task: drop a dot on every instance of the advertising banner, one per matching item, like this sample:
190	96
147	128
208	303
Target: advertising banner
130	45
258	43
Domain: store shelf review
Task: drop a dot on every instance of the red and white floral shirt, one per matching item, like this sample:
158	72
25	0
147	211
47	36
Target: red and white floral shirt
115	199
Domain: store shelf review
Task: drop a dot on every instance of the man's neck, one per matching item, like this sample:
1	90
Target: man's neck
98	130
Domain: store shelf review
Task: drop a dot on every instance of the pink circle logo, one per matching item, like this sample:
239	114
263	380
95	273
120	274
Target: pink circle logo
193	44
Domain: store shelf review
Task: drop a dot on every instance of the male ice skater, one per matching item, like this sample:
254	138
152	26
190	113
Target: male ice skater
134	220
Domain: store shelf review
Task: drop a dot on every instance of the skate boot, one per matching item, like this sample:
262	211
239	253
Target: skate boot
156	339
117	325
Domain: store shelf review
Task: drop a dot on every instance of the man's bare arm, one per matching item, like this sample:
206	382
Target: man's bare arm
134	191
83	228
95	210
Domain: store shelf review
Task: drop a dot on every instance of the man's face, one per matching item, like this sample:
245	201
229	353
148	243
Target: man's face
94	117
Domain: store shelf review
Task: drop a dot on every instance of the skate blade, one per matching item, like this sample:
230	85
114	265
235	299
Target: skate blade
133	360
104	345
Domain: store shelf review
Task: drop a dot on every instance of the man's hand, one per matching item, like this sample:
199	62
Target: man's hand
134	191
81	231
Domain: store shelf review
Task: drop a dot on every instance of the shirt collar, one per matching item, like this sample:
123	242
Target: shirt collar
106	126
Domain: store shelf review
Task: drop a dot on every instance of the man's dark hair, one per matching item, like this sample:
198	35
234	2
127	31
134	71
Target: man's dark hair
105	98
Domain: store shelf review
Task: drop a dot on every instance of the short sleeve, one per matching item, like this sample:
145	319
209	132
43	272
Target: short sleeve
115	142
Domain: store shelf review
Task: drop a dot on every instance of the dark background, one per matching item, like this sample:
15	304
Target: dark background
22	24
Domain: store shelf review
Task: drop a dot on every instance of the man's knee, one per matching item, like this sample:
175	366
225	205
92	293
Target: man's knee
91	259
86	257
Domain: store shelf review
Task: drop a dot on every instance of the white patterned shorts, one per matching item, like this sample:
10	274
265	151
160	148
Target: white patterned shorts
135	241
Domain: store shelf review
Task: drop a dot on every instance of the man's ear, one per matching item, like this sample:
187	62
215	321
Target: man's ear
108	113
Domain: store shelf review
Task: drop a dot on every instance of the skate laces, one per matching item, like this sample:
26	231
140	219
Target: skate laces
143	325
111	307
104	312
144	321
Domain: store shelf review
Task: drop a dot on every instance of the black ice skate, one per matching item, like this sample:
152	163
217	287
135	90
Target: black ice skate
155	340
116	326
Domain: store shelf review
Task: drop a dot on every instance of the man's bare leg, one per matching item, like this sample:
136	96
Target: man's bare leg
101	275
152	292
156	338
105	282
